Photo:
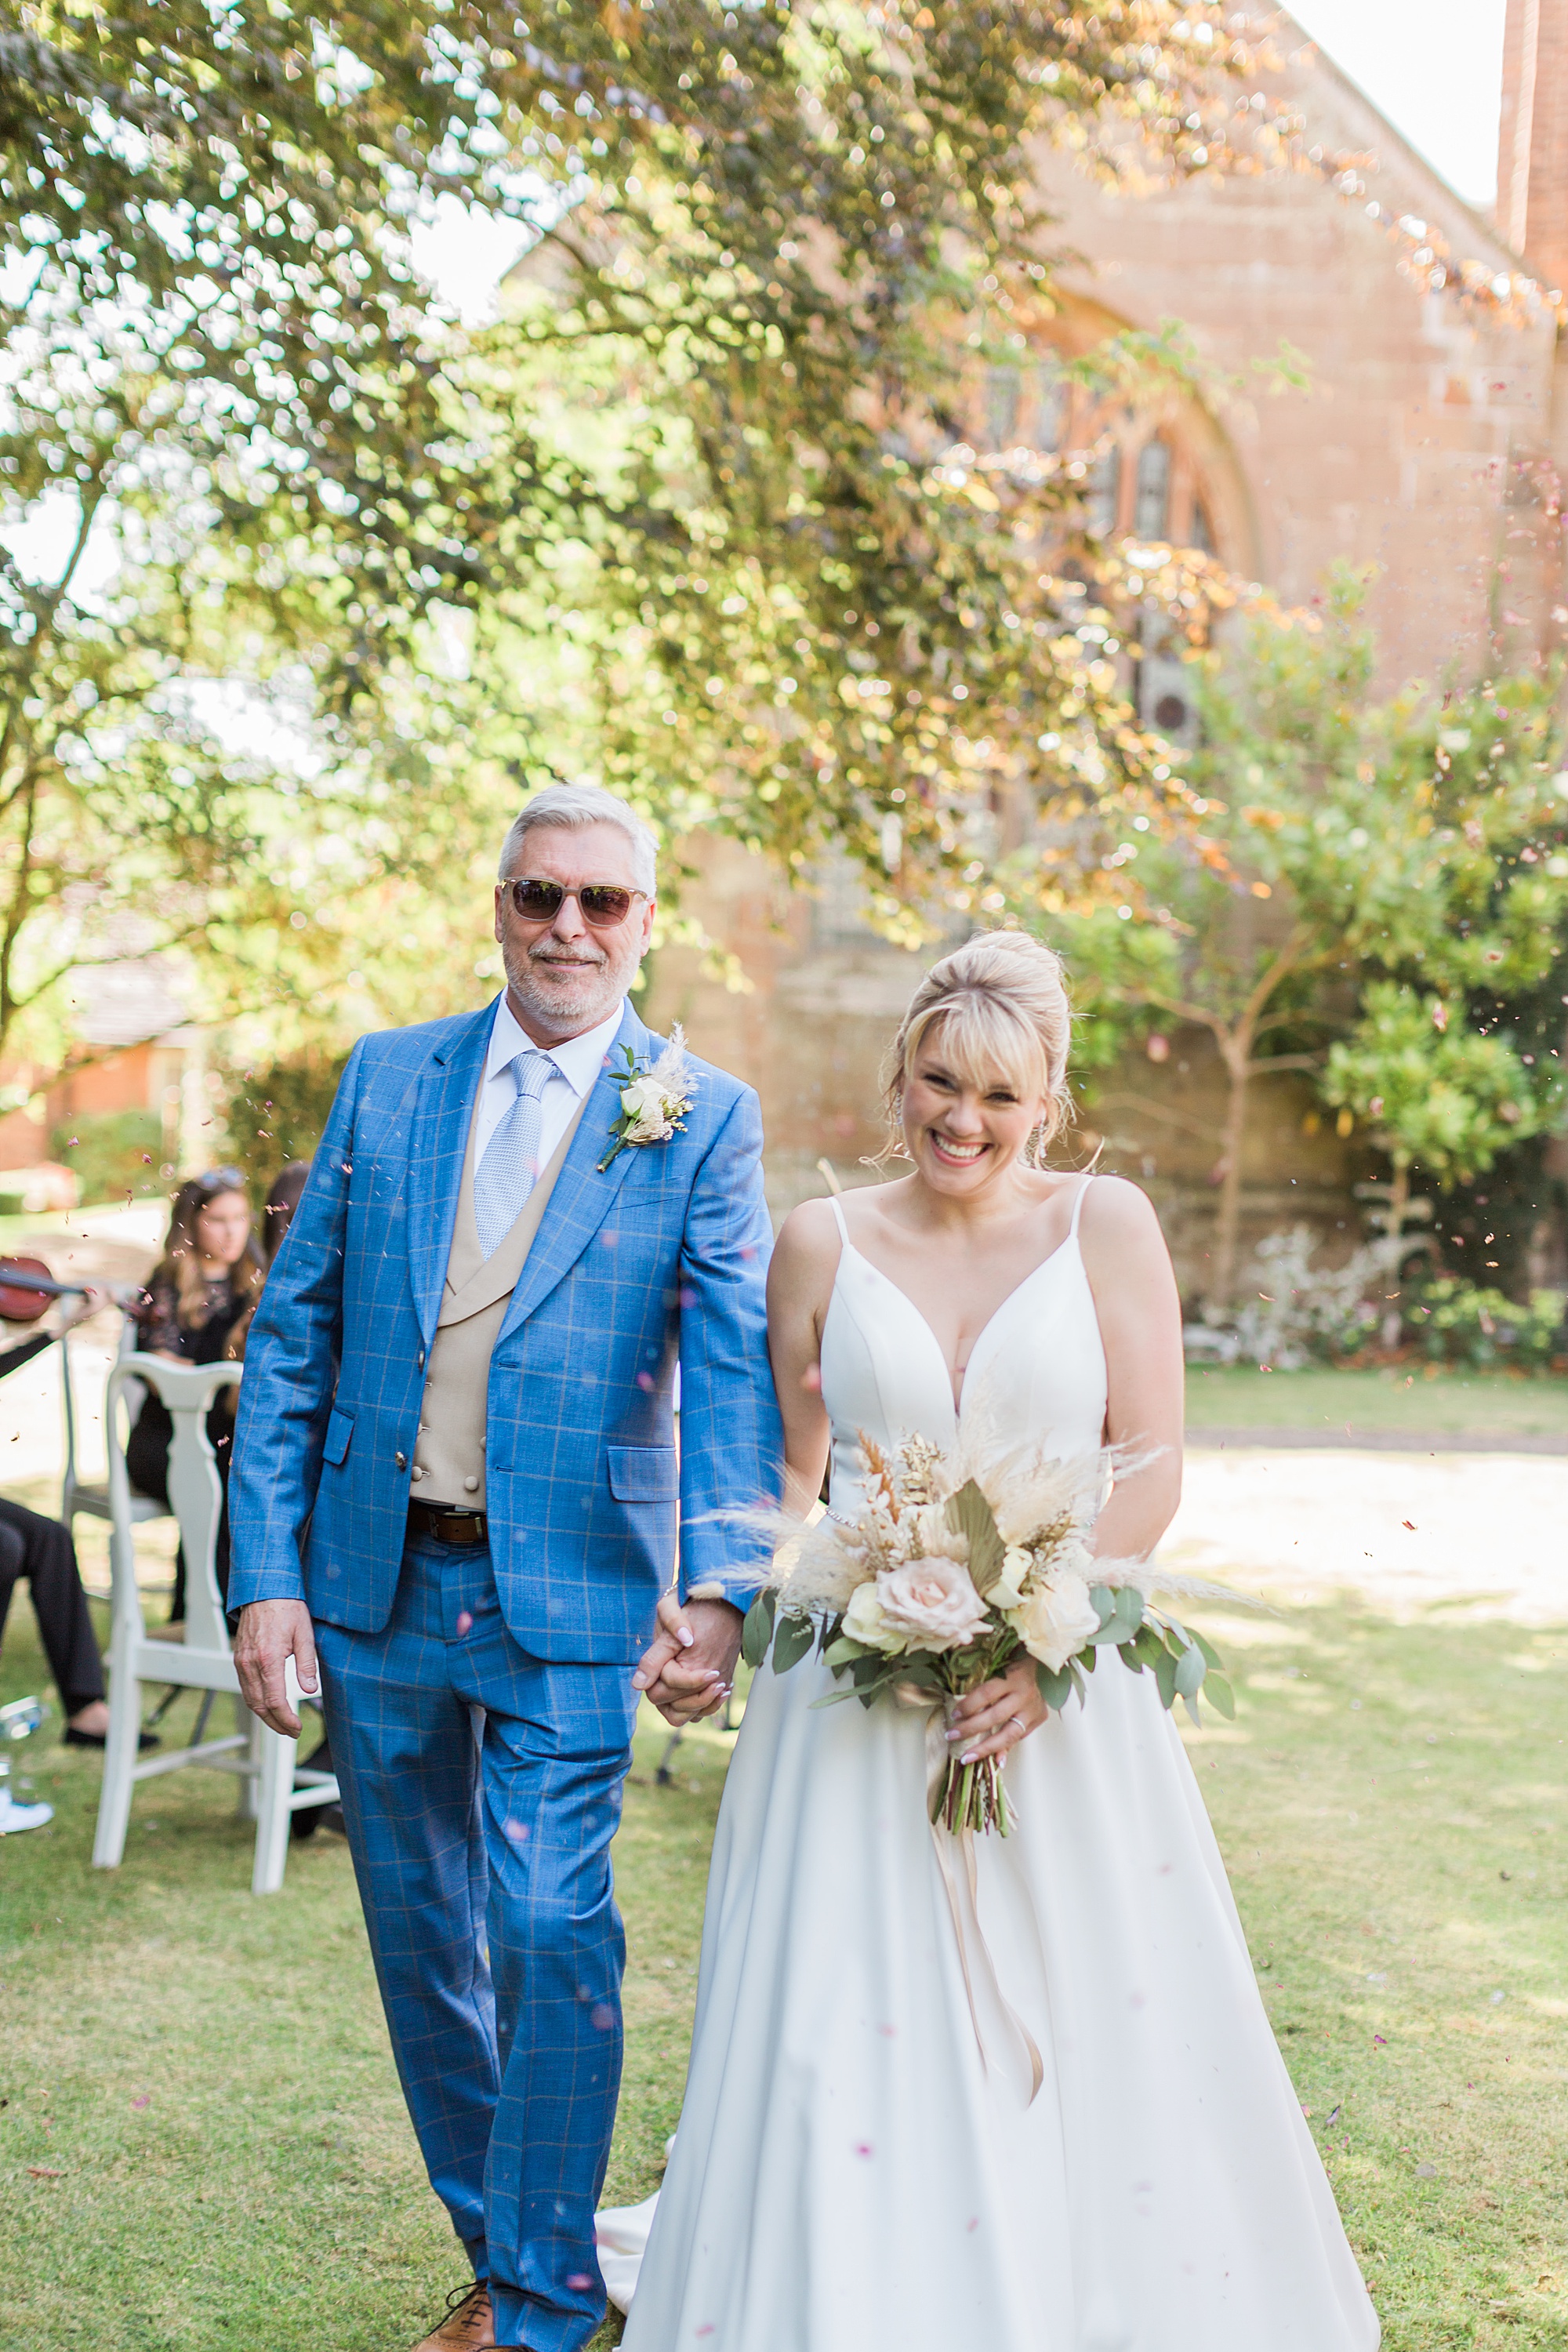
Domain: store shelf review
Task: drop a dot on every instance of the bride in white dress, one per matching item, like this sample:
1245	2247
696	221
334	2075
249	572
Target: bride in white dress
859	2163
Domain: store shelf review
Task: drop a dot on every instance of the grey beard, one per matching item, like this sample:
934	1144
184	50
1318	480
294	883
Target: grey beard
523	976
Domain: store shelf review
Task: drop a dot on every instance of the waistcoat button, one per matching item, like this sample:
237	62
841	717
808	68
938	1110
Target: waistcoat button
470	1486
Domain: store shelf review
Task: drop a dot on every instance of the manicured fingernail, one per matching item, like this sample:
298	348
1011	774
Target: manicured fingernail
684	1637
969	1756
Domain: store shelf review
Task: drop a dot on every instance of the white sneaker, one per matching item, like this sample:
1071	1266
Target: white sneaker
13	1817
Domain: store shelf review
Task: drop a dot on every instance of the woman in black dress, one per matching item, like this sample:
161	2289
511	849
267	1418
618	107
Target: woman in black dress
207	1279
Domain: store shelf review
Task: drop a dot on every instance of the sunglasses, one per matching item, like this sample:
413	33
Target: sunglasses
601	904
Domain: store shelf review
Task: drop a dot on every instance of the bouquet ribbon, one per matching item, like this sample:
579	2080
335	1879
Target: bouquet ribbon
962	1896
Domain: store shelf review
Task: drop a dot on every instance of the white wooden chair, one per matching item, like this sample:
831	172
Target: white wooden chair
263	1759
90	1498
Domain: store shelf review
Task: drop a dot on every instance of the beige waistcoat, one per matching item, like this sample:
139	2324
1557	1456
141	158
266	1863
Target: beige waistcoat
449	1451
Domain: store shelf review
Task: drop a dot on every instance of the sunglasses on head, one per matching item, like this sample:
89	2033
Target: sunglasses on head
603	904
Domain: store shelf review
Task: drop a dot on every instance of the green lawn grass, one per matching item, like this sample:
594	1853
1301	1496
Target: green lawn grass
1426	1401
209	2080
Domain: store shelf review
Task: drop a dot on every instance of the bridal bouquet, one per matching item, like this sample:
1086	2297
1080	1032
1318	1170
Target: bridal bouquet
955	1567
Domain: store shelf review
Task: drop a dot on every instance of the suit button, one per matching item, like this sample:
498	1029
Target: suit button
420	1364
401	1460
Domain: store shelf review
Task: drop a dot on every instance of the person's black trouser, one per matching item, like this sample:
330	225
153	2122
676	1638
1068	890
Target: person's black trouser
41	1550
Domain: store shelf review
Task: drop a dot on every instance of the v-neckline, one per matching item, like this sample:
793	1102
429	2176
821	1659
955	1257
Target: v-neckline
1069	1241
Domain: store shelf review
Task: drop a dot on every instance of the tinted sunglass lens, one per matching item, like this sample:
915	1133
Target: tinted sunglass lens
602	903
537	902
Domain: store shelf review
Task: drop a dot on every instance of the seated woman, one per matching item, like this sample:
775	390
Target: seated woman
40	1551
208	1277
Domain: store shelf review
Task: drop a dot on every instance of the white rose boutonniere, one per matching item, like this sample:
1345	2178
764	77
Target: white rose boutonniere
653	1101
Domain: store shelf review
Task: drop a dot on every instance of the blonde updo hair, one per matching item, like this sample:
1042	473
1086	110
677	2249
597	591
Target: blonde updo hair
1001	1007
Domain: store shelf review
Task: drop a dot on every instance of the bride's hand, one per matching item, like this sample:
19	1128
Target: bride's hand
994	1719
690	1669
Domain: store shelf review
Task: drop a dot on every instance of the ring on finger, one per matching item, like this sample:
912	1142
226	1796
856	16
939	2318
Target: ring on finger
1017	1719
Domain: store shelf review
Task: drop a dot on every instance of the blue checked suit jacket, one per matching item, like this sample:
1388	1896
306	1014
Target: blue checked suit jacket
661	1257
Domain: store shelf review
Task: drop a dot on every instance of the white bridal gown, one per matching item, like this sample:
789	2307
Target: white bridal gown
859	2163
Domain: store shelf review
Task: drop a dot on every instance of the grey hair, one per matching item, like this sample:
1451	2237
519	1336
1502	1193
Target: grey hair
573	806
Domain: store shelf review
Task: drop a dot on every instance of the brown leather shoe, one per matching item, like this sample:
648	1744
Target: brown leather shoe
469	2325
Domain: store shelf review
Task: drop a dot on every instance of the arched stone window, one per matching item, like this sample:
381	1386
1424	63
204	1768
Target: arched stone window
1159	468
1152	493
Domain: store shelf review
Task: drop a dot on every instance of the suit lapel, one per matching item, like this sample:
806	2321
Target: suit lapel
437	1141
582	1194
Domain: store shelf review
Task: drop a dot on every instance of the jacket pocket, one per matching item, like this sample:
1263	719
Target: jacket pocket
643	1474
339	1428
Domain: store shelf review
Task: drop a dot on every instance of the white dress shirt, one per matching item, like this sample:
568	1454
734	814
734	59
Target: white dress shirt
578	1063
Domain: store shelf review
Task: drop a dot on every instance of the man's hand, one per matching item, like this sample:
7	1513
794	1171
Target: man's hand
689	1671
270	1632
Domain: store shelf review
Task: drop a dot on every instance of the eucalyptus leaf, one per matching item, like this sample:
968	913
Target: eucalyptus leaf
757	1631
792	1642
1130	1606
1128	1654
1148	1649
1191	1668
1191	1705
1103	1598
1218	1693
1054	1684
1210	1652
969	1513
1165	1677
843	1653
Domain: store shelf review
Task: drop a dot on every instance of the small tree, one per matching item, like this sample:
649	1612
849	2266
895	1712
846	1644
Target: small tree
1345	844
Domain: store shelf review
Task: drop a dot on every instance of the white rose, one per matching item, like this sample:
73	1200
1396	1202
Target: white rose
932	1604
864	1622
1055	1623
643	1102
1008	1592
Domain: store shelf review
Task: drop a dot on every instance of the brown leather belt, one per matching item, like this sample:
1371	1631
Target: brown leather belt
447	1524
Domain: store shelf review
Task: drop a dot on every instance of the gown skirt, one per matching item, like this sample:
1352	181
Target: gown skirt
860	2165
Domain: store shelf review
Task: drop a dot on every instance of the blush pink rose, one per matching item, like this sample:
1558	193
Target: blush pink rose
930	1604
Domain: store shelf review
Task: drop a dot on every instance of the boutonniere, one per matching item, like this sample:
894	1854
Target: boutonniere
655	1099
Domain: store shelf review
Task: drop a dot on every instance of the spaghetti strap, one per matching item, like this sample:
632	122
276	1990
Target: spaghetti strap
1077	1206
839	1220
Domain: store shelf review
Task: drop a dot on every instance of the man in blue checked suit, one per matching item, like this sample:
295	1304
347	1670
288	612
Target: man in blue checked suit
453	1505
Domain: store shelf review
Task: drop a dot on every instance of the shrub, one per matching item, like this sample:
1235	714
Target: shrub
112	1154
276	1113
1455	1322
1296	1311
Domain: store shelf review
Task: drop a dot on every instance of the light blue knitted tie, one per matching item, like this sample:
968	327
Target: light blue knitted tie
510	1168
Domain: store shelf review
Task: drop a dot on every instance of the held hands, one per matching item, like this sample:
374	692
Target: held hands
270	1633
995	1718
689	1671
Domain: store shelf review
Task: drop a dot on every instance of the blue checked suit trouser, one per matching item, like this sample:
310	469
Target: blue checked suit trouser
481	1788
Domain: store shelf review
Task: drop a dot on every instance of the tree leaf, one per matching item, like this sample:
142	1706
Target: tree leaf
969	1513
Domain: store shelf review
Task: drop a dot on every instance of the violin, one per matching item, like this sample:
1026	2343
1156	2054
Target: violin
28	1288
